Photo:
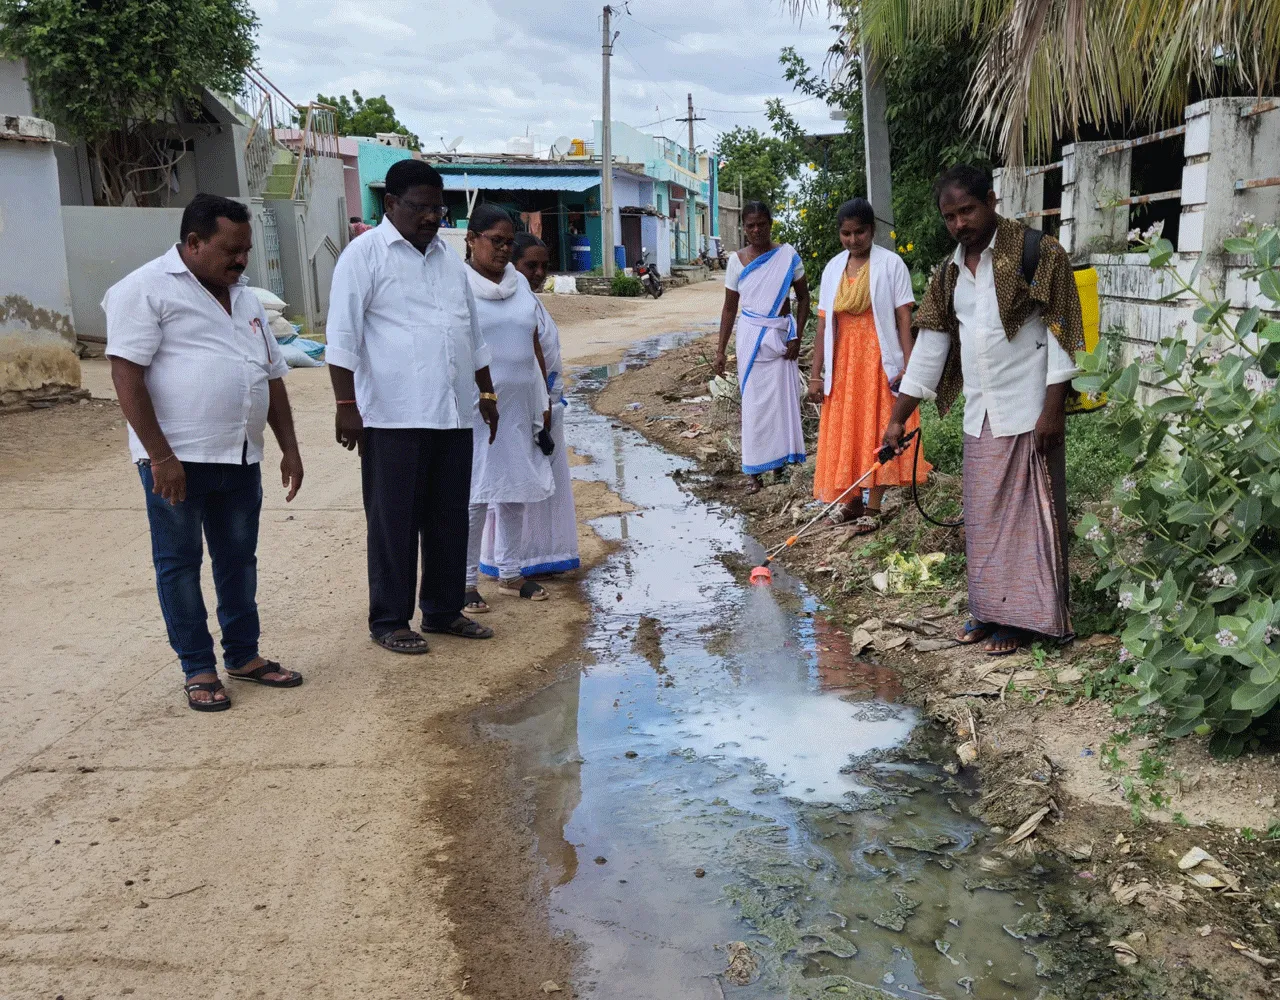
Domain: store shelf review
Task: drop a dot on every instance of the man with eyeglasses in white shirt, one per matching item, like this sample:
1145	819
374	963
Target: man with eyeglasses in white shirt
409	368
198	375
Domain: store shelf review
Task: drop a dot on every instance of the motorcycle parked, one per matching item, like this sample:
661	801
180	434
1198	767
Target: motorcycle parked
647	272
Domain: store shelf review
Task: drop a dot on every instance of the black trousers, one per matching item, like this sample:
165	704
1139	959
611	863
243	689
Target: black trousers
417	486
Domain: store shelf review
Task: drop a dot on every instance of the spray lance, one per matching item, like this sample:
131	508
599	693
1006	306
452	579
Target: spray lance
762	575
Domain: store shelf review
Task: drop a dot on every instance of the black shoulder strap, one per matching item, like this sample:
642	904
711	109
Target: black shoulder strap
1030	253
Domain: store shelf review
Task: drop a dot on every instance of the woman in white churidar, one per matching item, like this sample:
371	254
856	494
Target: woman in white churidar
549	537
512	472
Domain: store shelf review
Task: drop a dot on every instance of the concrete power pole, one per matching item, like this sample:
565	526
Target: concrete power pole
875	137
606	151
691	211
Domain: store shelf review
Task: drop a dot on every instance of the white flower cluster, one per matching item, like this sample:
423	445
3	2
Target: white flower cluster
1135	234
1128	484
1225	637
1270	633
1213	356
1221	576
1126	600
1094	534
1125	656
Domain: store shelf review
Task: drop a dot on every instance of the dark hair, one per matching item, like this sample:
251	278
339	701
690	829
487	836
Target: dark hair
757	208
202	214
965	176
405	174
858	209
486	216
354	218
524	242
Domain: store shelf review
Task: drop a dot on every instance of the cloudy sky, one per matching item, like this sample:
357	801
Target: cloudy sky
488	70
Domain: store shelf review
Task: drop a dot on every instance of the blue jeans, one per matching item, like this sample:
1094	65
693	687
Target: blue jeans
223	503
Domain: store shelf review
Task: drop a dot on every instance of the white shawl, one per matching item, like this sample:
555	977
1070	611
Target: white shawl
890	288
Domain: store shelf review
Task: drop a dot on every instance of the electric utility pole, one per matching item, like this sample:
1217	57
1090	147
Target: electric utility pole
606	150
691	204
875	137
691	119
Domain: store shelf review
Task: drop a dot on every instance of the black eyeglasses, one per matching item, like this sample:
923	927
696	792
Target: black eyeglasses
436	211
499	242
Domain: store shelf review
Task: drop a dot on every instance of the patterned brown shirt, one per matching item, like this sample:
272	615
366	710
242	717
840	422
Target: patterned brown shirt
1052	291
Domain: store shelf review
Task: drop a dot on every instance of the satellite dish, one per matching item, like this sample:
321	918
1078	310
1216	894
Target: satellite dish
560	146
453	146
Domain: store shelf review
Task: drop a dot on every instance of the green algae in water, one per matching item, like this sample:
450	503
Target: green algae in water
925	845
896	918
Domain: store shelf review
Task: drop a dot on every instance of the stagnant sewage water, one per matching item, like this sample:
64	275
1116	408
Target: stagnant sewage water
720	770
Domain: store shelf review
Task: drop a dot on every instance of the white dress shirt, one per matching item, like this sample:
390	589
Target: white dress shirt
207	371
1004	380
405	323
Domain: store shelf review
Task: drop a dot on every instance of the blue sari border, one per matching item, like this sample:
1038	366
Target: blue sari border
560	566
777	463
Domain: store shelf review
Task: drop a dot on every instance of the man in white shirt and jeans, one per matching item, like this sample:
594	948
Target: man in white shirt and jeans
198	375
1010	344
409	367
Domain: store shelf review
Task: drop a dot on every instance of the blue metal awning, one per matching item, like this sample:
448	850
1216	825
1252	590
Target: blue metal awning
521	182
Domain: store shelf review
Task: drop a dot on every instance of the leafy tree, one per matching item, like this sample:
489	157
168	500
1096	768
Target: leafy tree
120	74
1044	67
927	134
763	163
358	115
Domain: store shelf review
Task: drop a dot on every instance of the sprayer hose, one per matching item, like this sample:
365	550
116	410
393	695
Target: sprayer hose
915	495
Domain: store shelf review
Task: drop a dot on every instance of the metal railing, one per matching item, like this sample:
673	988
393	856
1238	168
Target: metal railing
268	109
319	139
1120	147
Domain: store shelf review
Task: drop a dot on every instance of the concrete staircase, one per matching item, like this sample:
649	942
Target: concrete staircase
280	180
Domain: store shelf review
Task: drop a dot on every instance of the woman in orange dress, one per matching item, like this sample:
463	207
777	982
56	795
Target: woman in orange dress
863	342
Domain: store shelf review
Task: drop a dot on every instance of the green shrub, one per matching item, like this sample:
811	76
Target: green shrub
625	285
1192	544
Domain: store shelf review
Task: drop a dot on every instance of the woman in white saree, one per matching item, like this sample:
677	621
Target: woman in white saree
759	280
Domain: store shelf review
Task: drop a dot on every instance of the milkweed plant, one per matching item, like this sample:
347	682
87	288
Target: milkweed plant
1191	541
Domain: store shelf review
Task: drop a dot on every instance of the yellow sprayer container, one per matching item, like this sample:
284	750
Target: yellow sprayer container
1087	285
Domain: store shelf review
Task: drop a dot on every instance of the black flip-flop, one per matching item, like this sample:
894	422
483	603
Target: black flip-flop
258	676
412	644
475	603
463	627
213	687
528	590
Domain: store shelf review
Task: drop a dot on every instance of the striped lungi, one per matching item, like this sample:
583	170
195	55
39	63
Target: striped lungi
1015	527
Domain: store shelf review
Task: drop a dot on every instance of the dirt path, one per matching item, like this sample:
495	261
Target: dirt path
338	840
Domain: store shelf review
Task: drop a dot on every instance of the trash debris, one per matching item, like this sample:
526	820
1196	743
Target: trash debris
550	986
967	752
1070	675
724	387
906	574
966	983
743	966
1205	931
1028	827
699	873
1124	953
1252	955
1081	852
944	947
635	406
1198	857
859	641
